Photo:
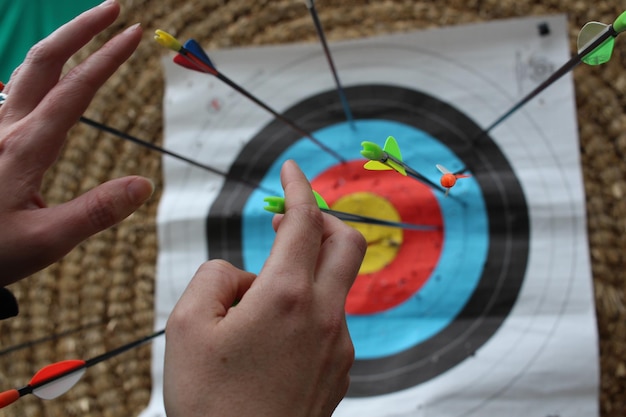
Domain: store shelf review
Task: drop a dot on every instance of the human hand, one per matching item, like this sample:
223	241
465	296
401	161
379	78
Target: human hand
34	120
284	349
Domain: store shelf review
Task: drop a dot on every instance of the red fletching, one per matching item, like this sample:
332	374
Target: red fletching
54	370
184	62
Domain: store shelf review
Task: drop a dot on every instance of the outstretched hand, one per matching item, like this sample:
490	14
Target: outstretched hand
284	349
40	108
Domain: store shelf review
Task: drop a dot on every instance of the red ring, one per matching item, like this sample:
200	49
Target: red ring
420	250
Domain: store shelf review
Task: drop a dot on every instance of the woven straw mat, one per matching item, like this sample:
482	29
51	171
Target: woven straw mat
106	285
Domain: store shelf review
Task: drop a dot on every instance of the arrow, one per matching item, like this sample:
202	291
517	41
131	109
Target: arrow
202	63
594	32
151	146
339	215
310	4
196	51
390	158
595	46
47	338
276	205
448	179
387	158
56	379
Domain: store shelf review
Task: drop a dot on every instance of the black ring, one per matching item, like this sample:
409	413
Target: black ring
506	207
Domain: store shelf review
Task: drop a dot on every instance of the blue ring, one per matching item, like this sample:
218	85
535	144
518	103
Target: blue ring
441	298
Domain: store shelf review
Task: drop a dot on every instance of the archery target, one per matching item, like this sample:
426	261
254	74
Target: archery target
466	282
503	281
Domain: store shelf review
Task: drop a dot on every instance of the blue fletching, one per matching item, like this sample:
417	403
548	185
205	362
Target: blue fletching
195	48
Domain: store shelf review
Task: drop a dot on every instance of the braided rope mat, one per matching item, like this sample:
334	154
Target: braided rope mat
105	286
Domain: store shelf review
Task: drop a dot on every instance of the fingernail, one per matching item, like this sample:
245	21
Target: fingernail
106	3
133	27
139	190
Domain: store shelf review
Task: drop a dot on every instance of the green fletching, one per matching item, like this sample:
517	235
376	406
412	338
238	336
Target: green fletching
620	23
321	203
372	151
392	148
600	55
590	33
591	30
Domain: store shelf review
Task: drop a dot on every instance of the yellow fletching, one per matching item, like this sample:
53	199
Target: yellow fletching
376	166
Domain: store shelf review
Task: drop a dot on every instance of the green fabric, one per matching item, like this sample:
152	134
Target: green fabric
25	22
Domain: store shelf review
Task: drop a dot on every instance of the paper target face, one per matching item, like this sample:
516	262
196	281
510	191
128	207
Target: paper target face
439	319
483	302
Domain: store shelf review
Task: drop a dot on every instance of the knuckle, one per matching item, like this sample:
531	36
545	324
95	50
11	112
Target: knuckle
356	239
40	54
80	75
307	214
350	351
216	270
213	266
333	325
9	142
348	356
15	73
295	298
101	212
179	321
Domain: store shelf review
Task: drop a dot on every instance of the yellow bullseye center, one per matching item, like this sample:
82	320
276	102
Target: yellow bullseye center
383	243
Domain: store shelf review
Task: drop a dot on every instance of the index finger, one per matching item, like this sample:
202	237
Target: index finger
299	236
47	125
44	62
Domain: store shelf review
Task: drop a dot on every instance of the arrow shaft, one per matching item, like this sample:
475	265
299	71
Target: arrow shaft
357	218
164	151
329	58
279	116
564	69
213	71
413	173
95	360
54	336
122	349
11	396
